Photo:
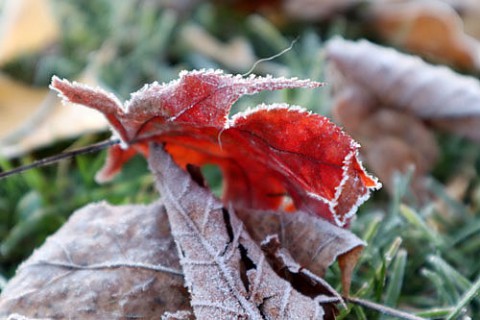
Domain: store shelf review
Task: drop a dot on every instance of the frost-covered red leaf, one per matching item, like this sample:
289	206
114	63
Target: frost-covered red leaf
265	153
106	262
226	273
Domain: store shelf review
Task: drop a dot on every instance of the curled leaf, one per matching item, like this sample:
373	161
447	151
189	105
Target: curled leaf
407	83
266	154
313	243
380	92
105	262
302	279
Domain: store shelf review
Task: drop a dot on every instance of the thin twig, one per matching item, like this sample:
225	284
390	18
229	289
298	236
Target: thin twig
61	156
271	57
382	309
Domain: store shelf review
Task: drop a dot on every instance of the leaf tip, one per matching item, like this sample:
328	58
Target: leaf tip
60	86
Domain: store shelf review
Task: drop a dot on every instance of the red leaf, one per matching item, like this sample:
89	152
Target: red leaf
265	153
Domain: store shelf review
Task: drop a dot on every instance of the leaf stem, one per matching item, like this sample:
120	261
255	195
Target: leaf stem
61	156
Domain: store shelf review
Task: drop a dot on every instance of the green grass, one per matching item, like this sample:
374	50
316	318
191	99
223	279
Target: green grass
419	258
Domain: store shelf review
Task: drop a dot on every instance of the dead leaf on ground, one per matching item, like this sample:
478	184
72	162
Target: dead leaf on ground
105	262
469	12
408	84
314	10
379	93
225	270
26	26
282	12
313	243
302	279
430	29
120	261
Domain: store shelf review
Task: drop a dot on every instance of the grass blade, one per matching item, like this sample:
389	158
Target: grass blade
467	297
395	283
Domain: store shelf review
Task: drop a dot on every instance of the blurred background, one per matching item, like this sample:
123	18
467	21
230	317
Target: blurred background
423	228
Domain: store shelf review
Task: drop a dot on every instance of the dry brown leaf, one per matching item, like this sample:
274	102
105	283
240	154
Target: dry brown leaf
226	272
429	28
386	146
302	279
118	262
347	263
391	148
105	262
314	243
378	94
33	117
388	156
469	12
26	26
410	85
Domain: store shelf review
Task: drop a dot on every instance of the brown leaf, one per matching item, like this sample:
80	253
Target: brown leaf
225	271
387	146
469	12
105	262
379	92
314	10
312	242
389	155
347	263
302	279
429	28
405	82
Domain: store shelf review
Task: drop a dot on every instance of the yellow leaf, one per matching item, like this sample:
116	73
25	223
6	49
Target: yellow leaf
34	117
25	26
